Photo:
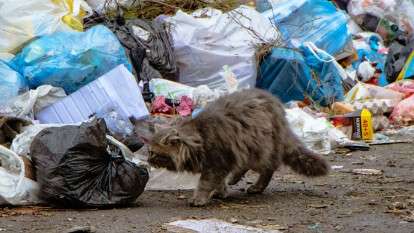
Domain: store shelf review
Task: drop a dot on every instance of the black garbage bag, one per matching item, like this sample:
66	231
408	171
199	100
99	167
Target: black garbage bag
76	168
148	45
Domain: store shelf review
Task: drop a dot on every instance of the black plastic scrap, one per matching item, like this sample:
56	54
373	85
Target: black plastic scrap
76	168
148	45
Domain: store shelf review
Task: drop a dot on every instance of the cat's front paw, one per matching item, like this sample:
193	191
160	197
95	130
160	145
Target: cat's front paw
198	202
254	189
220	194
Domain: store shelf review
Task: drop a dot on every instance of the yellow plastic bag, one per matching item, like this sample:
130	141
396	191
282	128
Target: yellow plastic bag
77	10
21	21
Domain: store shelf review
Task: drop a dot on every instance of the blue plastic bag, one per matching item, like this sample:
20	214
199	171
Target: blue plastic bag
288	74
328	71
368	49
11	83
70	59
317	21
285	74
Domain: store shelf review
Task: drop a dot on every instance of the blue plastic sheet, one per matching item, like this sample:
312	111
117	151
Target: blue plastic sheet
70	59
289	75
317	21
11	83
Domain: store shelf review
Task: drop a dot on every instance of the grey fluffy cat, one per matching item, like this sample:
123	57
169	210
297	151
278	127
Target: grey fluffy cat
243	131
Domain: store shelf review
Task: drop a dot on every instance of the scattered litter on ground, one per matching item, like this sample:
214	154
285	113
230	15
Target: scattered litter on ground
213	226
367	171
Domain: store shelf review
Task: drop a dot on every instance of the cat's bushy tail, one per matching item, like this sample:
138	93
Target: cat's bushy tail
306	162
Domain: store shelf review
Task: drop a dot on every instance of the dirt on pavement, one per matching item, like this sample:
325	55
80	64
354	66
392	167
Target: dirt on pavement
341	202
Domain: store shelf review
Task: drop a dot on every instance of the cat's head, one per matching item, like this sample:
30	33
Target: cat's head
176	148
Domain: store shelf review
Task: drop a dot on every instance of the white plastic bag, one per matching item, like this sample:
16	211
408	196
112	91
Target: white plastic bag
313	132
318	134
31	102
15	188
21	143
208	39
21	21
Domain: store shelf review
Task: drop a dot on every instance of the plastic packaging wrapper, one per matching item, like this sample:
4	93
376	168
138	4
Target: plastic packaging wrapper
363	92
70	59
149	47
41	17
403	113
316	21
160	106
287	74
11	82
405	87
76	167
170	89
186	106
200	95
15	188
208	39
31	102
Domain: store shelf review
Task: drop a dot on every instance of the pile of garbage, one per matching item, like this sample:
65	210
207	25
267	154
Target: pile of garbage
77	76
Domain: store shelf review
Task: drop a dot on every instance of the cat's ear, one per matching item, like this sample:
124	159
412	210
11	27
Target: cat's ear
144	129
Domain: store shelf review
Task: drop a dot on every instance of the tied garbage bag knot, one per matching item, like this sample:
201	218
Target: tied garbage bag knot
77	168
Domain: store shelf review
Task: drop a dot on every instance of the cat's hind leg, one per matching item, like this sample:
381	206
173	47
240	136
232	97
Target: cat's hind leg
262	182
221	191
235	176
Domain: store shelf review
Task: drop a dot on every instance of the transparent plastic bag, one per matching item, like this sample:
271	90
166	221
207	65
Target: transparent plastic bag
317	21
363	92
70	59
11	83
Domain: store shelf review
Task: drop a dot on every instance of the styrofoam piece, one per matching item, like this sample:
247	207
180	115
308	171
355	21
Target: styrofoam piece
116	89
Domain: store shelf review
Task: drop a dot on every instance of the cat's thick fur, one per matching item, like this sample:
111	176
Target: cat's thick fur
243	131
